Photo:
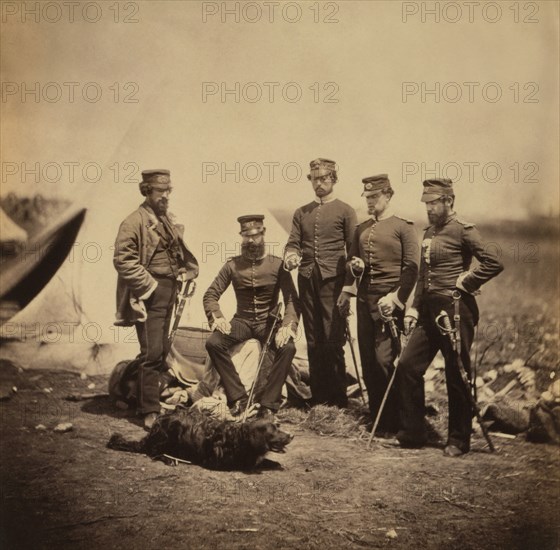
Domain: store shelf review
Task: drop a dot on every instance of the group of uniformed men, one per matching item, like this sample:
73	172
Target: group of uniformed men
377	261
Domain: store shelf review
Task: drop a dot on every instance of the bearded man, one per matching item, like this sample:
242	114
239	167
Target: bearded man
151	260
257	278
448	248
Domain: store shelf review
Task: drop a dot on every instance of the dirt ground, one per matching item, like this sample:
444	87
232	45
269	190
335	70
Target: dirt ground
66	490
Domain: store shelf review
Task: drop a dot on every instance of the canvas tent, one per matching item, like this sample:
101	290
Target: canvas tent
74	312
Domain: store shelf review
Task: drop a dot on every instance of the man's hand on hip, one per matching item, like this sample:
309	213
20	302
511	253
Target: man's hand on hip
143	310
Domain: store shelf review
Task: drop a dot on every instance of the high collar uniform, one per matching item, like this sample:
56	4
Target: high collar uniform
321	235
388	246
447	252
257	285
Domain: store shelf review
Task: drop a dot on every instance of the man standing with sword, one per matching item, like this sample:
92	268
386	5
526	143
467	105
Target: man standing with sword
448	248
257	279
384	258
318	244
151	260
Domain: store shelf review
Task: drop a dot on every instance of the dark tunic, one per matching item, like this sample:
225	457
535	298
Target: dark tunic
447	251
389	250
321	234
257	284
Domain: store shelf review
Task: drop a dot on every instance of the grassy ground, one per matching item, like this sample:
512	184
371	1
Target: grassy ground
520	308
66	490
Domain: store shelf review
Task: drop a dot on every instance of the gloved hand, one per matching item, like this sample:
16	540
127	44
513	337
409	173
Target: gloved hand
283	336
343	303
410	320
222	324
292	261
357	266
386	305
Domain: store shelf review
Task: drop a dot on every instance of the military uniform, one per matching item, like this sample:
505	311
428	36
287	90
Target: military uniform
149	256
257	284
321	235
388	246
446	257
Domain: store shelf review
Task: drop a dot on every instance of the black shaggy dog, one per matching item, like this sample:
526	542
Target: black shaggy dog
194	436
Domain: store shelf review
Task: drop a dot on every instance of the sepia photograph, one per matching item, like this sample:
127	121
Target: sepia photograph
280	274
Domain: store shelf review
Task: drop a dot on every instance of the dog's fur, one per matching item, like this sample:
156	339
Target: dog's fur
196	437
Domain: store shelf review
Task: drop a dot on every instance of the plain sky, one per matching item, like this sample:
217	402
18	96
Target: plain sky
361	68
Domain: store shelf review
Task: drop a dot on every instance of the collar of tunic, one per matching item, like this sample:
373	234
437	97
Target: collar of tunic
387	213
328	198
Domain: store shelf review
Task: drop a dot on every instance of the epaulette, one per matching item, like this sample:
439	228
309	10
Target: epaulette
405	219
231	258
467	225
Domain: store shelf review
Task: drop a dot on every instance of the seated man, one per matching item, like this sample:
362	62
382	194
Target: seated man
257	279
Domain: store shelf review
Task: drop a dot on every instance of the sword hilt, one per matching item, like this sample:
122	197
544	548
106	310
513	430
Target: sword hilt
443	323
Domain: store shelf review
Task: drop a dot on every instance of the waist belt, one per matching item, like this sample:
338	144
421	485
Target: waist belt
442	292
169	276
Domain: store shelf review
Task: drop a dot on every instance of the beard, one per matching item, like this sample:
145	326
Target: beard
161	207
252	251
437	219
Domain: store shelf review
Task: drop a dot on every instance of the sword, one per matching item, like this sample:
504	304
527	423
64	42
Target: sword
187	290
456	295
275	314
397	345
444	325
350	341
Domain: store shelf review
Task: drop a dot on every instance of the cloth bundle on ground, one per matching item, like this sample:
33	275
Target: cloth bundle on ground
185	383
508	416
544	423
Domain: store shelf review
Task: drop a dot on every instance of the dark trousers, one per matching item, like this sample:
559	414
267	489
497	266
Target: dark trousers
218	346
424	343
324	331
152	335
377	354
